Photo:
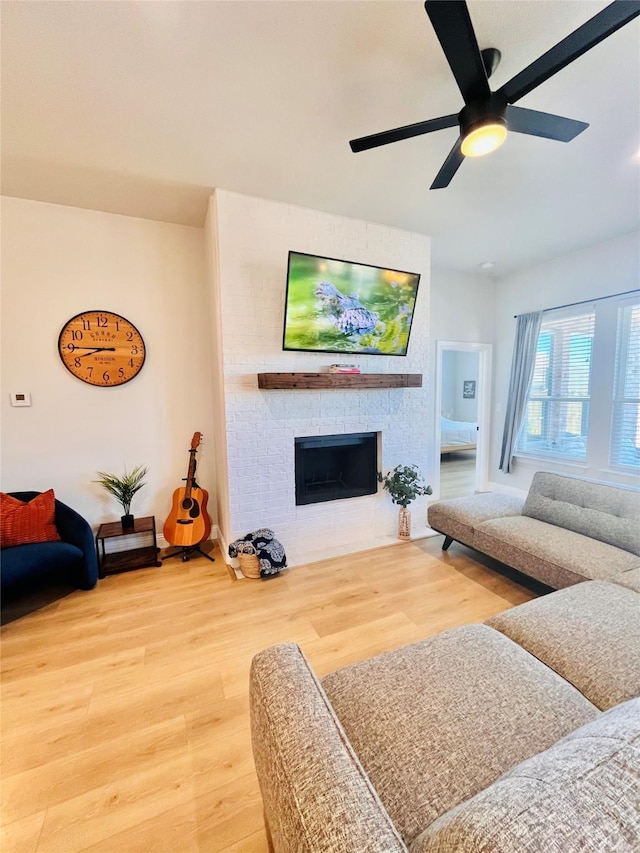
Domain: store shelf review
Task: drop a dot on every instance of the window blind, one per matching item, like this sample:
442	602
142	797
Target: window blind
556	419
625	427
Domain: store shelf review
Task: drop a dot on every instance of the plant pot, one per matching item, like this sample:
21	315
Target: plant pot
404	523
127	521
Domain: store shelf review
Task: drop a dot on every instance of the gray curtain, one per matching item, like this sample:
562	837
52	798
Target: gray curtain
524	359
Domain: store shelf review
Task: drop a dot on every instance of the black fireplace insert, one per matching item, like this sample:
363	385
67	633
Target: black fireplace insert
333	467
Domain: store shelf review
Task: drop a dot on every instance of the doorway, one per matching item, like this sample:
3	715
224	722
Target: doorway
462	400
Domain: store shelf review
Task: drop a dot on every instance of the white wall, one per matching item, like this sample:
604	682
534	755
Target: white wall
459	367
603	270
254	237
462	308
462	311
56	262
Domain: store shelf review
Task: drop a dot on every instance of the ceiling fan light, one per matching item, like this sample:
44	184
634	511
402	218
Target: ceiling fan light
484	139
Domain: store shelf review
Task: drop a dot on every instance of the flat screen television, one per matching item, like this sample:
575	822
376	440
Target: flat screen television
344	307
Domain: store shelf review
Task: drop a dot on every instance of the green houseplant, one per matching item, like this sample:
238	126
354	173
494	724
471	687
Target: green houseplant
404	483
124	488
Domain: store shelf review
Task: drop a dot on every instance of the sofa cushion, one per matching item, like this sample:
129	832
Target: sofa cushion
458	517
25	523
582	795
435	722
25	562
588	633
553	555
630	579
316	795
610	514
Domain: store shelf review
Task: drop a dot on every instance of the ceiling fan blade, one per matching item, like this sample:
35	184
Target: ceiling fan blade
449	167
398	133
452	23
543	124
602	25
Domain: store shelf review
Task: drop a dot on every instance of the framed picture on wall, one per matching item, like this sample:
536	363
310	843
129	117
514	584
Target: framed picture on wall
469	389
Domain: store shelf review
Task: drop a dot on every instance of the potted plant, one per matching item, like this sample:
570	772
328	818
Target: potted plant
123	489
404	483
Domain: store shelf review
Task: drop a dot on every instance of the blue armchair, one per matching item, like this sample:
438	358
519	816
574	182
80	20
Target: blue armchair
75	555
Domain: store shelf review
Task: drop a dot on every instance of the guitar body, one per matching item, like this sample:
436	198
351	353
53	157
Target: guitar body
188	523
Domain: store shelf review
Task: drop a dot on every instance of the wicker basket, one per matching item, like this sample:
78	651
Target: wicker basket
249	563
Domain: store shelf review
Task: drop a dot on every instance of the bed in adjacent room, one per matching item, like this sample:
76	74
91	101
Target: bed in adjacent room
456	436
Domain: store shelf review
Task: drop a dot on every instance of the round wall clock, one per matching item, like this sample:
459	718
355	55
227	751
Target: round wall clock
101	348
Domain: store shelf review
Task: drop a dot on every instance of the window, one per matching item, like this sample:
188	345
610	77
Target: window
625	429
584	401
557	414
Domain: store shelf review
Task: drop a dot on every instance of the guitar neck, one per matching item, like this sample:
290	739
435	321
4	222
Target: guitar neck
191	474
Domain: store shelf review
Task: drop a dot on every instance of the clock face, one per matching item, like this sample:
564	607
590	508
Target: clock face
101	348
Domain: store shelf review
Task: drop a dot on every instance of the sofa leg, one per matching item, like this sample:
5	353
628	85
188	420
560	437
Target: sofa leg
447	541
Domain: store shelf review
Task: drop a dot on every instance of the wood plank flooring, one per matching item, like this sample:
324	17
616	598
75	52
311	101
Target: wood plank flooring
125	709
457	474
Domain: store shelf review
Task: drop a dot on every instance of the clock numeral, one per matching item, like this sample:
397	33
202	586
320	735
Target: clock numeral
121	372
117	325
130	362
76	362
89	370
70	347
76	335
129	336
86	325
102	321
105	376
134	350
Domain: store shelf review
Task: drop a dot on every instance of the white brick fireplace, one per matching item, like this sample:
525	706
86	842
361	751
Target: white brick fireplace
248	244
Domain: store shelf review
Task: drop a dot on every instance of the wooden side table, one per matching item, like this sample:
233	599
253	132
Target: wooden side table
133	558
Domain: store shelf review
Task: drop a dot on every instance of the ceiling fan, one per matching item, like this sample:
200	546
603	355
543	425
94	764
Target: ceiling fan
486	115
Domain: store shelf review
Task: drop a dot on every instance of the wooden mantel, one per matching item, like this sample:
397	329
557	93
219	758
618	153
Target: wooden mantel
302	381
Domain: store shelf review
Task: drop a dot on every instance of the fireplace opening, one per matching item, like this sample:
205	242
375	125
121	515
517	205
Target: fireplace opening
332	467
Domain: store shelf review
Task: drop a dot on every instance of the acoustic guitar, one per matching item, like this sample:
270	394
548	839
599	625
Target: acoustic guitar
188	523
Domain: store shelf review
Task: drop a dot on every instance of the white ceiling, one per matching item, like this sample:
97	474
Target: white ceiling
143	107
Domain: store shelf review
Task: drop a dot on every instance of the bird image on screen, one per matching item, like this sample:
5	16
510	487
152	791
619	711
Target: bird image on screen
345	307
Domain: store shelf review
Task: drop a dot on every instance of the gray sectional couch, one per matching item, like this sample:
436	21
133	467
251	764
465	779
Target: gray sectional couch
520	735
567	530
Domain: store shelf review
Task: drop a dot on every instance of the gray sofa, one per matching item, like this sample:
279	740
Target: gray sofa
567	530
520	735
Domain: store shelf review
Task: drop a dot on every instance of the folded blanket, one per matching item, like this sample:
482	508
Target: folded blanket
270	551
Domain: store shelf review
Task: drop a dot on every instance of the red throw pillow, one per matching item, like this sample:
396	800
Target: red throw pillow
25	523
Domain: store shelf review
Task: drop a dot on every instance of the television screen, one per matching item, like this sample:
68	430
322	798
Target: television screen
343	307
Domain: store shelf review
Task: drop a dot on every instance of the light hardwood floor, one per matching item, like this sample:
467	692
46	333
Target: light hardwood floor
125	709
457	474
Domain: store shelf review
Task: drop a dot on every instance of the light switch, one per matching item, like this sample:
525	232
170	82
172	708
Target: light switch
21	398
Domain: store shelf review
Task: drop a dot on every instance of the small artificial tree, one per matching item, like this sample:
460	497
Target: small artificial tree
123	488
404	483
